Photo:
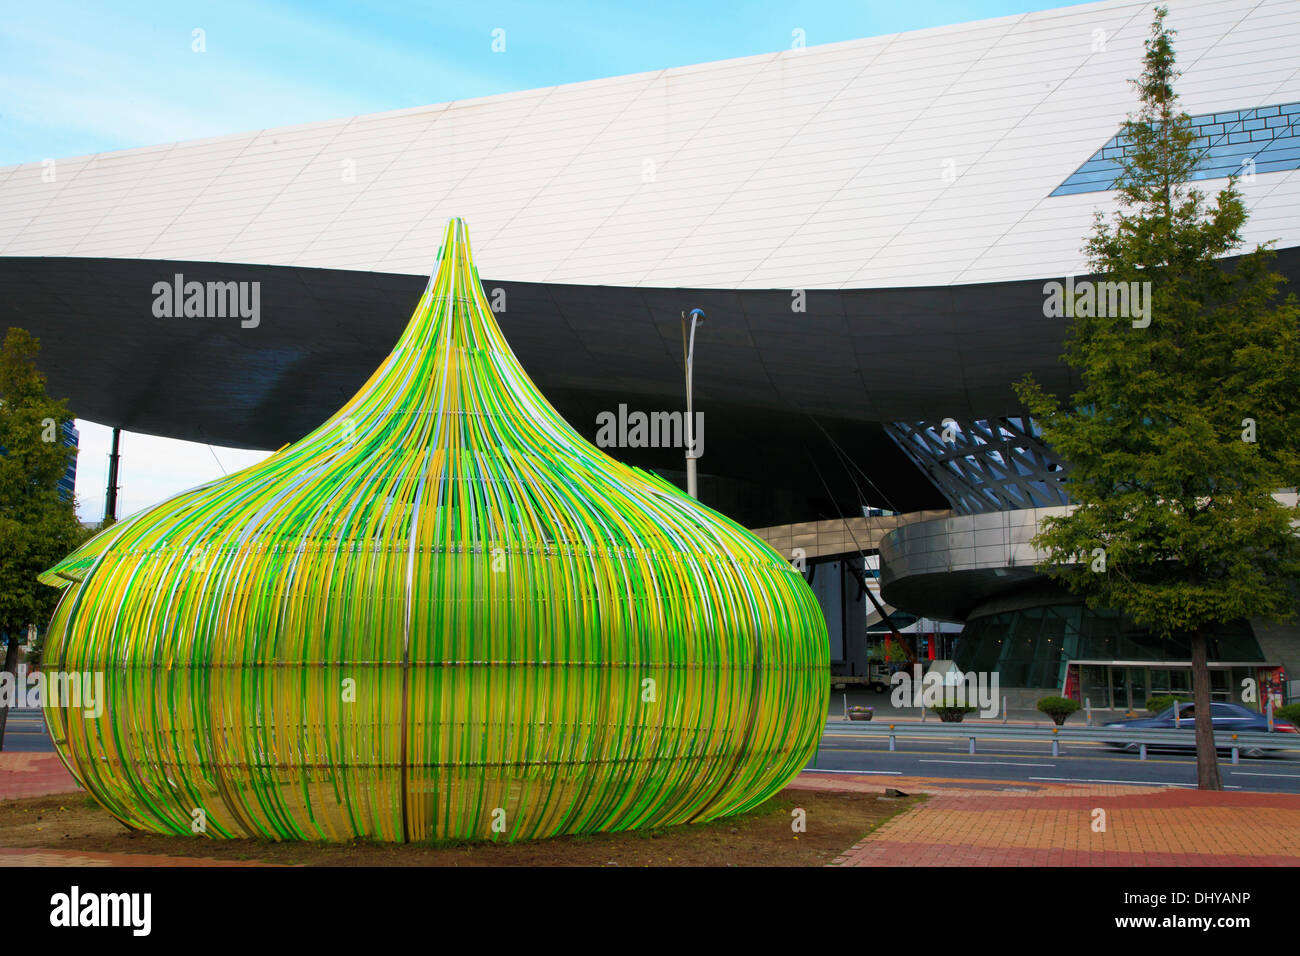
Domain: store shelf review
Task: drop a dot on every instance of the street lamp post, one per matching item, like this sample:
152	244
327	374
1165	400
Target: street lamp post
697	318
110	493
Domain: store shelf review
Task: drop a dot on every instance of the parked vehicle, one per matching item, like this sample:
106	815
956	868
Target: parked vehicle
1182	727
878	676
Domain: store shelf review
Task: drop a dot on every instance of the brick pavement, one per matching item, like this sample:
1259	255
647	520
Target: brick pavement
996	823
33	775
964	822
40	856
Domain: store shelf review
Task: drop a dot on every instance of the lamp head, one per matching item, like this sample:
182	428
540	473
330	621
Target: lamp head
697	315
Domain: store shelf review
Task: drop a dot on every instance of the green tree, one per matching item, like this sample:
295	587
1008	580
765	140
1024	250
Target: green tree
1188	418
37	526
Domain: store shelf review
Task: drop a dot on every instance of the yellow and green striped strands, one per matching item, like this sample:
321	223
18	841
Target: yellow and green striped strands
441	615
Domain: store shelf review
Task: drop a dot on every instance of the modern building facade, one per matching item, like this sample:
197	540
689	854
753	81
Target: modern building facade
979	568
869	226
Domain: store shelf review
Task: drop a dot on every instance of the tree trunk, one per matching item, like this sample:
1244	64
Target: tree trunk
10	667
1207	761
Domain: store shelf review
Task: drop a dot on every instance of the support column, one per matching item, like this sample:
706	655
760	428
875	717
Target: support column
110	494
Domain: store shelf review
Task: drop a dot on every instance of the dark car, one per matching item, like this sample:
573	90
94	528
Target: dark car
1224	716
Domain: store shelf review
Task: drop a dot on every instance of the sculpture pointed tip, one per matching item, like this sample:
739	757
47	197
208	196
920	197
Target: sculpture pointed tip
454	235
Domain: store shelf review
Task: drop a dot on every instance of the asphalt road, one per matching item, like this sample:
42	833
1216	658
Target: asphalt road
1031	762
1010	761
25	732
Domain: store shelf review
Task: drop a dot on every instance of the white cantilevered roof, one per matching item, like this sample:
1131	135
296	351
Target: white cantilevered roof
922	158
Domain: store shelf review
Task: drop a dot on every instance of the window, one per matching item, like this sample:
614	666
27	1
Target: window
1261	140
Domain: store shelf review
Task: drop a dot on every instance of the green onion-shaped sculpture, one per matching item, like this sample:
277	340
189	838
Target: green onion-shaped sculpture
441	615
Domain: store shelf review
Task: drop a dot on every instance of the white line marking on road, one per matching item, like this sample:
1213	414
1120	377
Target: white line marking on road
1145	783
992	763
897	773
1248	773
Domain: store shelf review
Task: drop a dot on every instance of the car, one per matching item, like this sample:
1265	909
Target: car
1223	715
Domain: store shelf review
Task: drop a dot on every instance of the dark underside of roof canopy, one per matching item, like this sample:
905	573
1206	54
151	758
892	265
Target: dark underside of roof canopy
793	401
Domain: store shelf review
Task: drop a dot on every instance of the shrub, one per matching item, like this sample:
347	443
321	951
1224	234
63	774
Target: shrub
949	711
35	654
953	715
894	652
1058	708
1290	713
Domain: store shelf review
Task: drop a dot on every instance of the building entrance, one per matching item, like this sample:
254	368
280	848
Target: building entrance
1127	686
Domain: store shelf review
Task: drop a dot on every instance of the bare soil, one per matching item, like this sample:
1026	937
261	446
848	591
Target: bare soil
762	837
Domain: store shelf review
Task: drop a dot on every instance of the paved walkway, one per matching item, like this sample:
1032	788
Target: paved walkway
996	823
40	856
33	775
965	822
886	711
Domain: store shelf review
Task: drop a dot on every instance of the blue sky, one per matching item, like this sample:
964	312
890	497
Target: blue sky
80	78
83	78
